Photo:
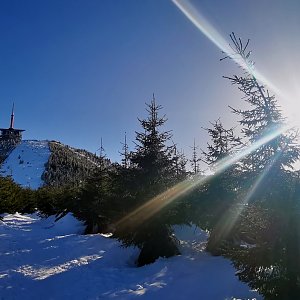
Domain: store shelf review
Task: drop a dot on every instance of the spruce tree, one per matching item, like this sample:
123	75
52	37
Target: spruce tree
224	143
153	158
154	169
221	188
180	161
271	188
262	118
125	153
195	160
94	196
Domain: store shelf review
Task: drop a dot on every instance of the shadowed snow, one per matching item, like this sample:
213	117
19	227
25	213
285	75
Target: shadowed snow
41	259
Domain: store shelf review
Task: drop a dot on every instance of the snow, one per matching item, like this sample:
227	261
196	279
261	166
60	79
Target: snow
41	259
26	163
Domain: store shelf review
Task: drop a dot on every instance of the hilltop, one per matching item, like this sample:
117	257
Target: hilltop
26	163
33	164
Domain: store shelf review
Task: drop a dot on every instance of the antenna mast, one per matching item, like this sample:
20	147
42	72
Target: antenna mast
12	117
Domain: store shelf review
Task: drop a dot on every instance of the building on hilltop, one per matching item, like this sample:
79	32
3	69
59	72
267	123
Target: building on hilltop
11	134
9	138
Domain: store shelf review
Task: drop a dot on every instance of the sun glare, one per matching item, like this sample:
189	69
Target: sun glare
195	16
151	207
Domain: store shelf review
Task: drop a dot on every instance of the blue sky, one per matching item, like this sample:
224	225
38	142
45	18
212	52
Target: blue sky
80	70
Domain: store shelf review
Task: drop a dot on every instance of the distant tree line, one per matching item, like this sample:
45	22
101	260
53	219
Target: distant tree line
69	166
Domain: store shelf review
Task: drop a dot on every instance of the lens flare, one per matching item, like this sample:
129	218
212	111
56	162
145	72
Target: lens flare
228	161
156	204
260	179
226	223
151	207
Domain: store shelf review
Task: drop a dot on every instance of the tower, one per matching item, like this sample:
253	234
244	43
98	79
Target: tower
12	135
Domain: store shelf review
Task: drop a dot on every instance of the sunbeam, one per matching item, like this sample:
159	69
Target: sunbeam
228	161
228	220
260	179
151	207
195	16
154	205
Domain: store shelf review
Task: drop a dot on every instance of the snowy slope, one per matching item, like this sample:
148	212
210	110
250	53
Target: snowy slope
26	163
40	259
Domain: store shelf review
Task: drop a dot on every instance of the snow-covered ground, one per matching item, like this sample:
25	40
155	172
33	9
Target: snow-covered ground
26	163
40	259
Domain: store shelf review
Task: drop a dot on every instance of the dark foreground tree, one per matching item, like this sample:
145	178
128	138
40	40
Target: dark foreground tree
92	199
262	119
221	189
269	264
14	198
154	173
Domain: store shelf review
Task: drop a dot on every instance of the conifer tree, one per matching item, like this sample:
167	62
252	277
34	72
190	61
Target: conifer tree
125	153
180	164
262	118
94	196
195	160
220	192
14	198
154	170
153	158
272	187
224	143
